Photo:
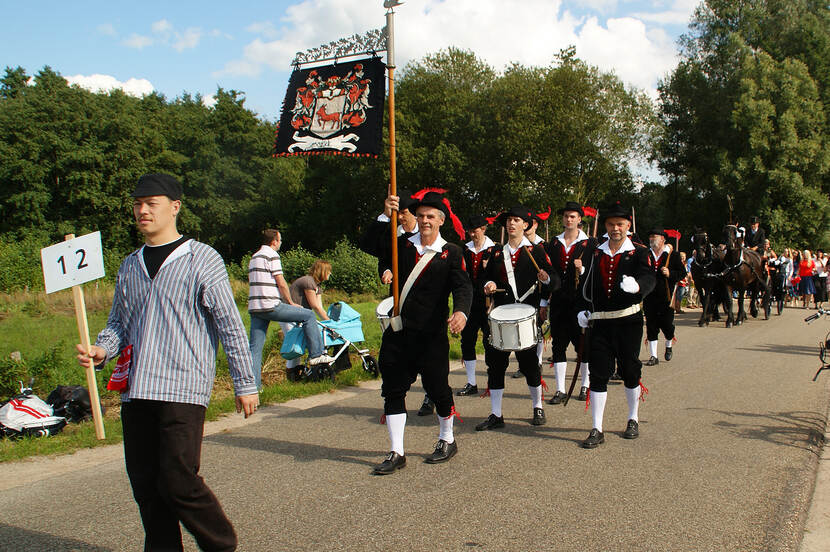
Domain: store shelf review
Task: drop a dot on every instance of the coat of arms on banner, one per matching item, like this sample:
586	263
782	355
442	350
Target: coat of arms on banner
336	109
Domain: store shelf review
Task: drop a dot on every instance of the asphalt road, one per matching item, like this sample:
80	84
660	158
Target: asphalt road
731	435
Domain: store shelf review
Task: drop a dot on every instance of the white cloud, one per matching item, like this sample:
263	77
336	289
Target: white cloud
188	39
209	100
137	41
161	26
107	29
530	32
105	83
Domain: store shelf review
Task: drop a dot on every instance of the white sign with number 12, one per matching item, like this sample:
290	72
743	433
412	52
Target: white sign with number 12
72	262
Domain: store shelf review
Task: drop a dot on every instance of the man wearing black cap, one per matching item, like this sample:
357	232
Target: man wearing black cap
615	283
657	306
477	253
429	269
567	253
173	300
754	238
512	276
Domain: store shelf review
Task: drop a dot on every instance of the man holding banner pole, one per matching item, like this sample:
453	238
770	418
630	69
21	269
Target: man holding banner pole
172	303
657	307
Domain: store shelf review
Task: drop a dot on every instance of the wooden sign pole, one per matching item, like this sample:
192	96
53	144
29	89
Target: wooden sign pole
83	331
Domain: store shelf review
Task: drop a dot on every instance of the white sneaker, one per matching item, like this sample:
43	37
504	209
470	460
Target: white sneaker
322	359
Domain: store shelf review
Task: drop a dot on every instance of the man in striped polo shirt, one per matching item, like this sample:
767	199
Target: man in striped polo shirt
172	302
269	299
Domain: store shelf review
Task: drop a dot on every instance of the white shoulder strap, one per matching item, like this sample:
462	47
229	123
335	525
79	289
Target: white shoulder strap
413	276
511	278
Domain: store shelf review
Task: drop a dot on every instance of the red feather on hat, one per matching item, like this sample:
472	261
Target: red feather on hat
589	211
672	233
421	193
456	223
544	216
493	219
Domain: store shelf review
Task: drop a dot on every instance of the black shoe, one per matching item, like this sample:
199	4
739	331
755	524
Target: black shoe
427	407
632	430
557	398
595	439
653	361
668	354
538	417
492	422
443	452
391	463
517	374
583	394
468	390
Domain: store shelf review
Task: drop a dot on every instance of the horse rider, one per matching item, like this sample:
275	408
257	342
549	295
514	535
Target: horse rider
616	281
566	253
519	272
657	306
416	341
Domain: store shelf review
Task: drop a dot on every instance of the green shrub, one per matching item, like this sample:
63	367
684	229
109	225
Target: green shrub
239	271
352	270
296	262
12	372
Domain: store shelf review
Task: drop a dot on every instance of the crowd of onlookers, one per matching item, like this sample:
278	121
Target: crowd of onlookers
801	275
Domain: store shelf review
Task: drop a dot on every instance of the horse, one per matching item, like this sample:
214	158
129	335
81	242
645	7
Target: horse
707	262
744	272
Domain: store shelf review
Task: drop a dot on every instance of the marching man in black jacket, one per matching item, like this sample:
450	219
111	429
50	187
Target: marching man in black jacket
477	253
567	253
668	270
528	285
429	270
615	283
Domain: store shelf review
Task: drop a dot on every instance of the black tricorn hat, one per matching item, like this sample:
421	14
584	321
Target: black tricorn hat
571	206
405	200
616	211
158	184
476	221
516	211
658	231
430	199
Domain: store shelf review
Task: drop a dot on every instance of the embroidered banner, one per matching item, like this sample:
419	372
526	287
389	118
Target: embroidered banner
334	110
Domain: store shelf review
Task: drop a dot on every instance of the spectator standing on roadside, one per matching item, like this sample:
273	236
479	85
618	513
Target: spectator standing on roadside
821	278
806	287
173	302
269	299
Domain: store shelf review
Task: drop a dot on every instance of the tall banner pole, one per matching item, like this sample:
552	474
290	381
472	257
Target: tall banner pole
393	185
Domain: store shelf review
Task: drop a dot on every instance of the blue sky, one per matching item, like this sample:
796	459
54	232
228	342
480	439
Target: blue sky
174	47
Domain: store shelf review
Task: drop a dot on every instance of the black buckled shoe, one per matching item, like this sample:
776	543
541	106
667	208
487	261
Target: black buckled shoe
390	464
668	354
538	417
595	439
443	452
557	398
517	374
632	430
468	390
492	422
427	407
583	394
653	361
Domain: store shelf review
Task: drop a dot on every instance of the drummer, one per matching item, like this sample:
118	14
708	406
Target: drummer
512	276
419	345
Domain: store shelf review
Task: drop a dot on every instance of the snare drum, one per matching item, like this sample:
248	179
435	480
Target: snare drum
513	327
384	312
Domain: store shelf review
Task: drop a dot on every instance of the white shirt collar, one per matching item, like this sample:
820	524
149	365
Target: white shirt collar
487	243
437	245
537	239
582	236
626	247
525	243
656	257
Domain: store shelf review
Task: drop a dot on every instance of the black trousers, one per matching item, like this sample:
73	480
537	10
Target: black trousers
497	365
564	330
614	343
659	318
162	451
469	335
407	353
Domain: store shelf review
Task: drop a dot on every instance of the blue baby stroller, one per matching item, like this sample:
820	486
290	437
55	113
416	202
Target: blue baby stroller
339	333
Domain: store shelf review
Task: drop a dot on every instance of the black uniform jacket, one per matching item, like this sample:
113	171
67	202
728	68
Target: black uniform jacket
601	286
476	264
756	239
374	242
525	274
425	308
662	283
562	260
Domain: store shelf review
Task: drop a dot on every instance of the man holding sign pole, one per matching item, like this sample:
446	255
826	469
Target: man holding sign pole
172	302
